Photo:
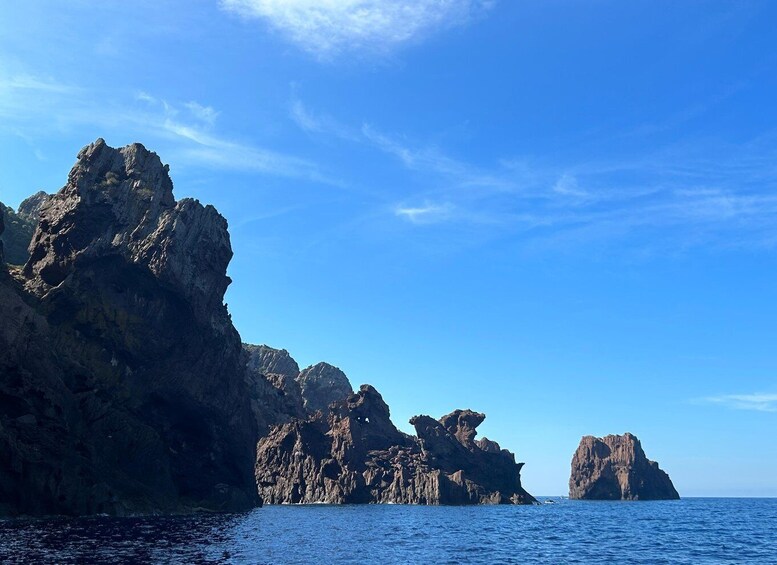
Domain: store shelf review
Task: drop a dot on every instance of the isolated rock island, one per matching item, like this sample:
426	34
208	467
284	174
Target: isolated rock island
126	389
615	468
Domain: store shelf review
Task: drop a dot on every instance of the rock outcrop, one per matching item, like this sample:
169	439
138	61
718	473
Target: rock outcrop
280	391
122	380
353	453
31	207
2	247
321	384
274	392
20	227
125	388
615	468
268	361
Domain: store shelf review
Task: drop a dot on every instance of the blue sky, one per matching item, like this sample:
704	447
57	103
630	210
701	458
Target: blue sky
558	213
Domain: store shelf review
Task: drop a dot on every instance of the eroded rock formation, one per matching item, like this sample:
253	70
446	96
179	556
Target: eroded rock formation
125	388
615	468
353	453
122	379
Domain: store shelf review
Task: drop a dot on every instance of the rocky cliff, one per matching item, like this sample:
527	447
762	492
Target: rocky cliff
122	379
274	392
2	247
125	388
615	468
280	391
20	227
353	453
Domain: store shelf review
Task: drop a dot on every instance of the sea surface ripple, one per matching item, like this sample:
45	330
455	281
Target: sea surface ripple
693	531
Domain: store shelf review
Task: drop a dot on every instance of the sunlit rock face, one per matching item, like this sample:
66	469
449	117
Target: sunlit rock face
615	468
353	453
122	379
321	384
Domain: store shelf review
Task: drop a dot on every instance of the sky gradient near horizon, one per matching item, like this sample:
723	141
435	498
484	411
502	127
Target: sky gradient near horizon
562	214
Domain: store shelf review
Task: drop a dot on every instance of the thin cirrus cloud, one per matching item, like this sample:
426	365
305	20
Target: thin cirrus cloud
327	28
759	402
428	213
700	194
34	106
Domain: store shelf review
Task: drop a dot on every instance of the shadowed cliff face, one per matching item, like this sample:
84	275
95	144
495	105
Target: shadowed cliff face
616	468
122	379
355	454
20	227
2	230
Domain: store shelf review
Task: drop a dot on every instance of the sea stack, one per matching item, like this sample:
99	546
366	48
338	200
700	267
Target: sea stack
615	468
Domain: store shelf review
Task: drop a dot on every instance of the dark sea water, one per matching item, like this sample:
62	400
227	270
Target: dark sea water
693	531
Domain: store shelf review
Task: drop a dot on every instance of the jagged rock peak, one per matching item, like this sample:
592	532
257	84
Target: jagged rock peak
368	409
31	207
322	384
615	467
274	392
120	202
462	424
267	360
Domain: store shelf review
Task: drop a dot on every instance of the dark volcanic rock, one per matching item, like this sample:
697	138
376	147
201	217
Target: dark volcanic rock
122	380
354	454
275	394
20	228
2	229
616	468
321	384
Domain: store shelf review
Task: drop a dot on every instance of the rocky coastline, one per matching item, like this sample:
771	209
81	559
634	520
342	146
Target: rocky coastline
126	389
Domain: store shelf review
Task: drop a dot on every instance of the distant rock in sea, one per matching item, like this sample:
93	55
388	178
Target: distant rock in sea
353	453
615	468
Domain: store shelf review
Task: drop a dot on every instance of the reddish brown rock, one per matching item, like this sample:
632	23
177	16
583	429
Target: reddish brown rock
615	468
355	454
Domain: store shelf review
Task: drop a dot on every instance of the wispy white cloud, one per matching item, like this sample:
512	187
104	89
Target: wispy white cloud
205	114
431	159
145	97
427	213
312	123
760	402
32	106
684	196
567	185
326	28
26	82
